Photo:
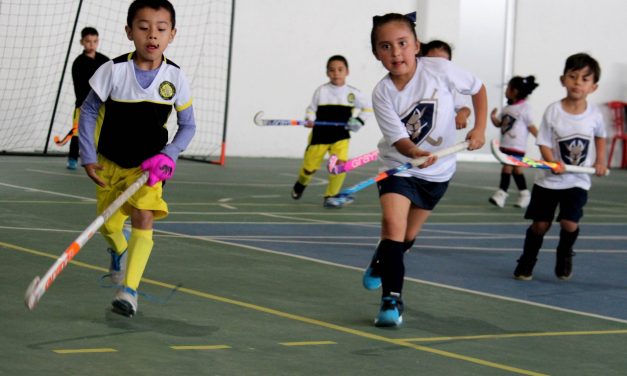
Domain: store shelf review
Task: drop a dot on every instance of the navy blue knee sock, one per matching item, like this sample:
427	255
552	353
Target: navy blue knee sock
391	266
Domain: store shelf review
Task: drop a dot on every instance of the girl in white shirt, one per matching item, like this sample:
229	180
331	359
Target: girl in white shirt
415	110
516	123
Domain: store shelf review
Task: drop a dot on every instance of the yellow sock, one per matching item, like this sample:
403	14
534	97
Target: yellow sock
335	183
139	248
112	232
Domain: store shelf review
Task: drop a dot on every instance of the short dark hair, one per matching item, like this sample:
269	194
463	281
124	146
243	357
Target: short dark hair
436	45
88	31
580	61
337	58
378	21
154	4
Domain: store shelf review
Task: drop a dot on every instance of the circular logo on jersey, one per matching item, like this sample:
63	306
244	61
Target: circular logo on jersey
167	90
351	98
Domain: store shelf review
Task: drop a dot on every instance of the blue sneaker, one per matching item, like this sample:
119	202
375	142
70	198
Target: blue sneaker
72	164
372	276
337	201
117	267
391	313
371	280
125	302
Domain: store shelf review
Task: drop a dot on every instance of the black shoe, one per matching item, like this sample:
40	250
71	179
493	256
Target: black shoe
564	265
297	191
524	270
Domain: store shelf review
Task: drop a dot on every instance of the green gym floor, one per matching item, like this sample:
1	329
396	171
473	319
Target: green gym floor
272	286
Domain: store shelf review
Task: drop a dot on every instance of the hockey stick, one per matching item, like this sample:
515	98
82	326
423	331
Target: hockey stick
406	166
39	286
271	122
526	162
65	139
351	164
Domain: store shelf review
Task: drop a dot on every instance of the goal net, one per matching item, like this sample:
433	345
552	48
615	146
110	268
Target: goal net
39	41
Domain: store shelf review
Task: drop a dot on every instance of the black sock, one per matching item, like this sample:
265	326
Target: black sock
409	244
504	185
391	266
520	181
533	243
567	241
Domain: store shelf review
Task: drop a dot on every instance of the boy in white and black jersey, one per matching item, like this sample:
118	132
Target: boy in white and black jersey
335	101
132	96
572	132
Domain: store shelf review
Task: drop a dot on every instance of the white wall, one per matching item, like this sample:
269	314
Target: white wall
281	46
549	31
279	59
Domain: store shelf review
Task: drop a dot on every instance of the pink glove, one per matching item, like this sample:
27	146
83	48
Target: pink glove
160	166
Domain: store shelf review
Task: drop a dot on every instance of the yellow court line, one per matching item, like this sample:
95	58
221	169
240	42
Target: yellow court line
518	335
335	327
308	343
201	347
84	351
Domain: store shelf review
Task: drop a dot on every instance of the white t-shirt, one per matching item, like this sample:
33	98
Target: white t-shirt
515	122
424	111
571	137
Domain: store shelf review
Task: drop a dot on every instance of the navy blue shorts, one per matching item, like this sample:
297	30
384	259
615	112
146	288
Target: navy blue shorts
544	202
423	194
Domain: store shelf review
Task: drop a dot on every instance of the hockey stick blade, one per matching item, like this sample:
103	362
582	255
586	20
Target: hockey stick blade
61	142
406	166
526	162
38	287
259	121
338	168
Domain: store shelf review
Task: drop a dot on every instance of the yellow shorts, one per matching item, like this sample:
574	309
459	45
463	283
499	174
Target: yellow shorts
117	179
77	115
314	154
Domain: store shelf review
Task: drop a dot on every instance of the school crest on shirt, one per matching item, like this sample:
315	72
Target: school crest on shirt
350	98
574	149
167	90
420	121
507	123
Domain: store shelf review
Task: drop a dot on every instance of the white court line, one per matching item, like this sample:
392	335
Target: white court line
454	288
292	218
29	189
427	247
56	173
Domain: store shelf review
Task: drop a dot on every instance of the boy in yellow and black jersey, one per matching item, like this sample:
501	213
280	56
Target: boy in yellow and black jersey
335	101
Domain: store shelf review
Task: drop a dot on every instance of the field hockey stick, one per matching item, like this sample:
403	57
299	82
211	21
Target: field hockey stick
65	139
526	162
406	166
39	286
351	164
272	122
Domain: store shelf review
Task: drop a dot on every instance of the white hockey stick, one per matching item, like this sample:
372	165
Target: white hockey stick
39	286
513	160
275	122
406	166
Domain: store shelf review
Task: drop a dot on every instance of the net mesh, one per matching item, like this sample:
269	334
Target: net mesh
35	38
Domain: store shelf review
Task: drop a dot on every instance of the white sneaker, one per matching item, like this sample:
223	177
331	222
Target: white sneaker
499	198
523	199
125	302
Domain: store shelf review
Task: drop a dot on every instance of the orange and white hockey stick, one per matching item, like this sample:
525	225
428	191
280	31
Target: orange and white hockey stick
39	286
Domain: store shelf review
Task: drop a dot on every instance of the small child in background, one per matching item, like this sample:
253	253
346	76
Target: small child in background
83	68
438	48
516	123
573	133
334	101
139	89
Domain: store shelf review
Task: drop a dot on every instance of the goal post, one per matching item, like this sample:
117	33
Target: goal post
37	79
